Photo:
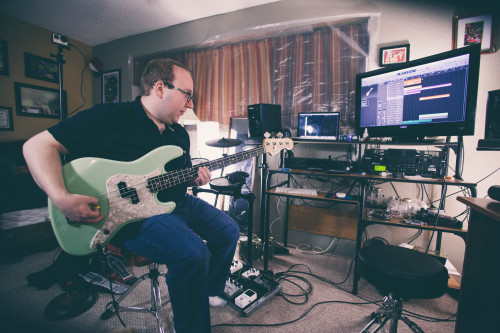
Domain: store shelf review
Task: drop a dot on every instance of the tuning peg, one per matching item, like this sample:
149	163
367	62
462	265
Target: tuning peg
267	135
279	135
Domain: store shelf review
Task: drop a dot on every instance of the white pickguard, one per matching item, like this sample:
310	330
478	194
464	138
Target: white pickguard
122	209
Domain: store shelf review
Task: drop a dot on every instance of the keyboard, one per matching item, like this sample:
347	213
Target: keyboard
292	190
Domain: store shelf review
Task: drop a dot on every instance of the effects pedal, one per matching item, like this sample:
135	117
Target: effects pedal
232	289
246	298
429	217
236	266
101	281
251	272
119	268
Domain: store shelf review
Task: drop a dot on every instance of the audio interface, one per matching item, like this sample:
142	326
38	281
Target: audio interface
409	162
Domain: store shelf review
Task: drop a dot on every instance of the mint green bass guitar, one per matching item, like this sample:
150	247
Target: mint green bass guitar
127	191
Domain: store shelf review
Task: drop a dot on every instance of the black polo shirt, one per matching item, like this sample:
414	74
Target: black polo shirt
121	132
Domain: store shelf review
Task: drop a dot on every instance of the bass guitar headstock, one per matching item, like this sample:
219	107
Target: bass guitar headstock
275	145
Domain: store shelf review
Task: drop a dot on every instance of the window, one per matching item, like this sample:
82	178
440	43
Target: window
311	71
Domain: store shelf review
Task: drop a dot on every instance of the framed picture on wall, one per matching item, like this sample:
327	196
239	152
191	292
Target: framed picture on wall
394	54
4	58
474	30
111	86
40	68
6	119
35	101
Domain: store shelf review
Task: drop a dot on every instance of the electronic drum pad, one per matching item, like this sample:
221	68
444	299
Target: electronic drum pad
230	183
223	143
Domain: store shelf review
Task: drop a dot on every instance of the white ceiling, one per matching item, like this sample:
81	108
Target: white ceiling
94	22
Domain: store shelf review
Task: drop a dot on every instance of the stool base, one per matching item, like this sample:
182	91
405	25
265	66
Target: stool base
156	303
391	309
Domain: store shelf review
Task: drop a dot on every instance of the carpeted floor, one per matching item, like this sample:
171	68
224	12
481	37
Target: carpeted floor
327	307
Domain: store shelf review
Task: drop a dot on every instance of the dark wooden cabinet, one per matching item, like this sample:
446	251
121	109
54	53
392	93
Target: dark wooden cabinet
479	293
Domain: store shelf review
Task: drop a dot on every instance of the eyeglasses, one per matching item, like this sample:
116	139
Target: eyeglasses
189	95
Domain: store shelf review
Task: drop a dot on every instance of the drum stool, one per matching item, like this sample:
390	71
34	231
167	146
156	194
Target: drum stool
156	303
400	273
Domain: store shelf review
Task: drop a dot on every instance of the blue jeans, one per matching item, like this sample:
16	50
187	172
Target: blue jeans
195	270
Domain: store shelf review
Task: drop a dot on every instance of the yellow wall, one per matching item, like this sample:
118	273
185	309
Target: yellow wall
23	37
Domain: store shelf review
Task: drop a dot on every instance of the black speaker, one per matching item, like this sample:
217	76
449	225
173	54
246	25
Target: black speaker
492	130
263	118
494	192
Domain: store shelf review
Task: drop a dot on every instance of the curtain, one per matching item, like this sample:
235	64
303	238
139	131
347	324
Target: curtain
229	78
313	71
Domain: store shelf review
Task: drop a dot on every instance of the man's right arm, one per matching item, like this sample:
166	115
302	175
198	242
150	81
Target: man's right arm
43	156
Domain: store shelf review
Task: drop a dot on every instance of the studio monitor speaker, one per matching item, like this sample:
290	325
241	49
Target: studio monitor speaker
494	192
492	130
263	118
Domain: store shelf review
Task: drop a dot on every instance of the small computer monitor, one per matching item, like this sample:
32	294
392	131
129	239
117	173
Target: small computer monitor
432	96
318	125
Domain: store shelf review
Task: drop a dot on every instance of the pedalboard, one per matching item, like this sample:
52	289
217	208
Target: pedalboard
410	162
247	288
425	217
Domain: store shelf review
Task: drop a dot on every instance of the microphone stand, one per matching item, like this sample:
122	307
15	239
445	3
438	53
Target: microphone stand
77	299
60	62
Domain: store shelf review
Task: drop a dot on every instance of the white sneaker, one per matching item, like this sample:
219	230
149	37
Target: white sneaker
216	301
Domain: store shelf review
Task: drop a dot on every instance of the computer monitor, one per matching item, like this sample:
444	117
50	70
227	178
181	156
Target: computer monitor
432	96
318	125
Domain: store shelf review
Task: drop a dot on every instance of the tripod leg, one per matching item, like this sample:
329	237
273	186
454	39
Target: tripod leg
156	304
412	325
396	310
380	317
378	320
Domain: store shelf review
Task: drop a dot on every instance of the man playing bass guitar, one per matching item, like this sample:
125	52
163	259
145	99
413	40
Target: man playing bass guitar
125	132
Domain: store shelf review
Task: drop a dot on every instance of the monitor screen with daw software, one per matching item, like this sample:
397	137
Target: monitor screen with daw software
318	125
432	96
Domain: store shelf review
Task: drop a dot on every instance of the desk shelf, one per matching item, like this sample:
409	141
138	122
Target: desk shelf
364	181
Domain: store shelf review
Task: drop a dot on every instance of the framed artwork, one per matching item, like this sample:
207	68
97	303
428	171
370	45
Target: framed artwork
111	86
6	119
4	58
40	68
394	54
35	101
474	30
